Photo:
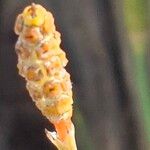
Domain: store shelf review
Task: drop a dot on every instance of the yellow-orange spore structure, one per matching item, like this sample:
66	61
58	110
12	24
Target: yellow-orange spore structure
41	62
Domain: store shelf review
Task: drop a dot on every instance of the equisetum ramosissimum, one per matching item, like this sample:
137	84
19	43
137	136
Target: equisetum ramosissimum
42	63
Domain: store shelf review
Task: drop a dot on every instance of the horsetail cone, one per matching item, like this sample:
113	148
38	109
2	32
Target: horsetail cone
41	62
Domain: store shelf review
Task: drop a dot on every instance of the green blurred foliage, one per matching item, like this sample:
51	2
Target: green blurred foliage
83	138
136	15
136	19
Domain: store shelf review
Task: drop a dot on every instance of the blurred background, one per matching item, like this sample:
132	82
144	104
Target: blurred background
108	45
